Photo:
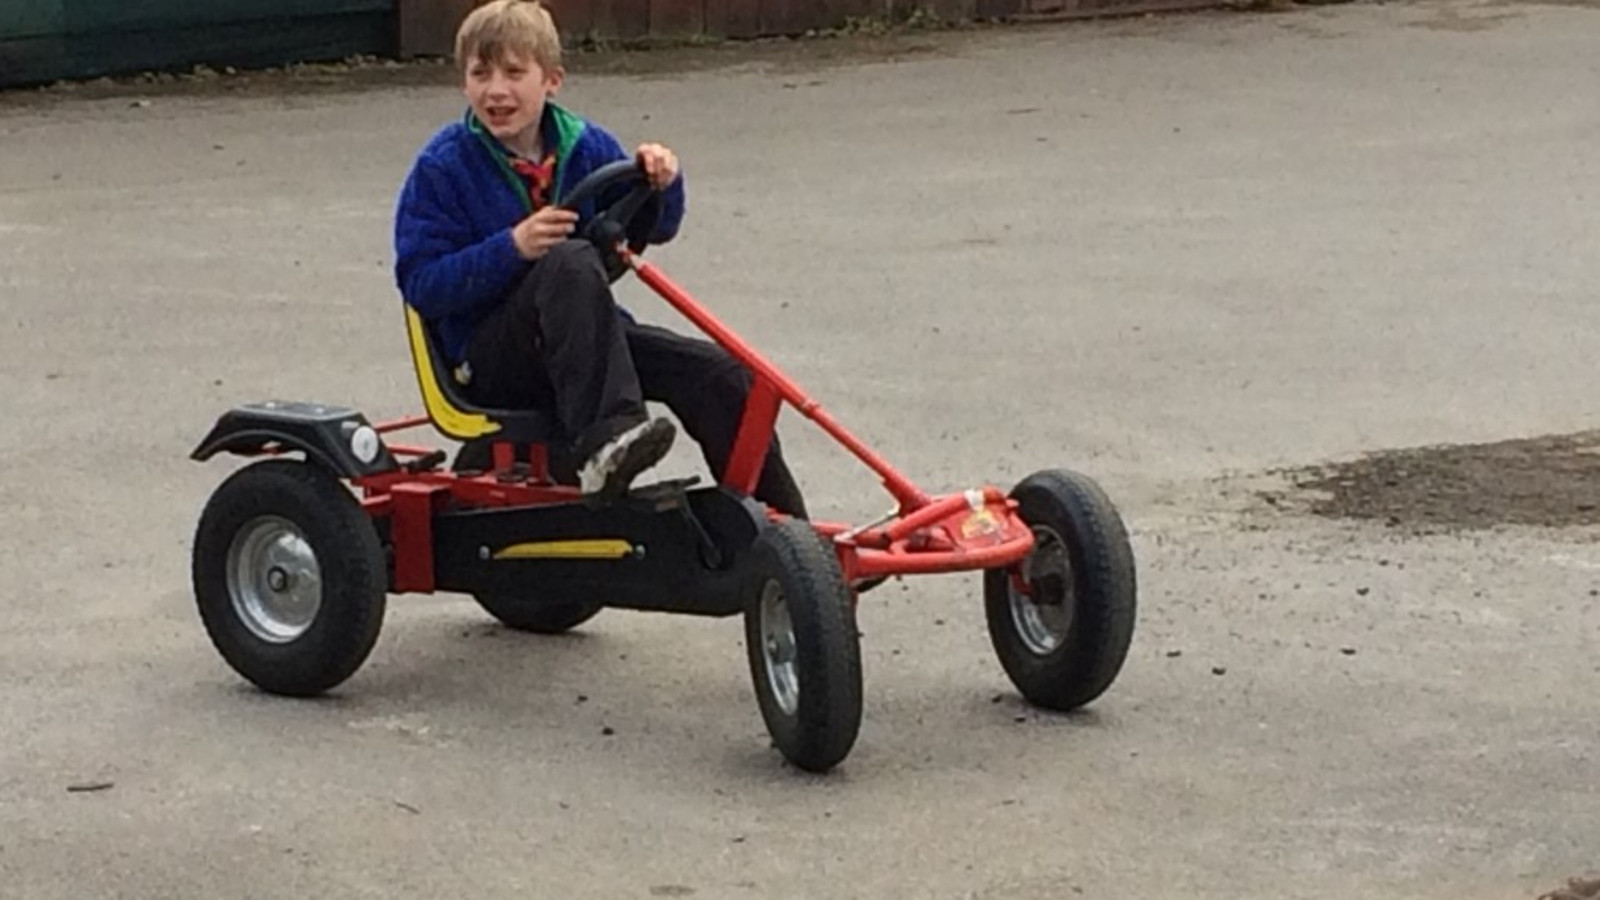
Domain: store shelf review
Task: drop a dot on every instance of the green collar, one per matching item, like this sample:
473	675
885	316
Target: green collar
559	131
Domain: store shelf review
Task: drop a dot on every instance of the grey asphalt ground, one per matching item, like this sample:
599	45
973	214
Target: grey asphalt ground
1174	253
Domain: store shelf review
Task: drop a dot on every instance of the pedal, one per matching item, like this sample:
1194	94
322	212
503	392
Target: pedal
660	496
663	495
670	496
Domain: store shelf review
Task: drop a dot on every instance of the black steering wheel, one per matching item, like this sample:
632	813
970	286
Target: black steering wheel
620	219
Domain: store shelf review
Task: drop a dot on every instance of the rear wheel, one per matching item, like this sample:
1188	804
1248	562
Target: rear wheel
289	577
803	647
546	613
478	456
1062	621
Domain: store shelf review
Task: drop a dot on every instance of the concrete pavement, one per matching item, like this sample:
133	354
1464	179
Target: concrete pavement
1173	253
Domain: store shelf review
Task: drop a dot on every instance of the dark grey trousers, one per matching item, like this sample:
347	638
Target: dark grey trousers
559	343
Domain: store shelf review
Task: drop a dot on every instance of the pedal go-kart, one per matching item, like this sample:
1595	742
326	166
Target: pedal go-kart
295	555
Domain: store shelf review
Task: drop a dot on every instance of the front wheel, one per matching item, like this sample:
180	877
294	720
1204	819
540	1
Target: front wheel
804	650
289	577
1062	620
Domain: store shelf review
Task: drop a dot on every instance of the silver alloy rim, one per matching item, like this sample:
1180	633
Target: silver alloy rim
1043	619
274	579
778	649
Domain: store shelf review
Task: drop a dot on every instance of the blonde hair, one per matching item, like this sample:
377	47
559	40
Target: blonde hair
500	29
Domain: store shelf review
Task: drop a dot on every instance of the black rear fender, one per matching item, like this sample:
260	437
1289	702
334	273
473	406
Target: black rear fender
338	439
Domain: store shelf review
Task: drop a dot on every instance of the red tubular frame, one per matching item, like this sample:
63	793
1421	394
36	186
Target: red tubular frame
978	529
926	535
768	378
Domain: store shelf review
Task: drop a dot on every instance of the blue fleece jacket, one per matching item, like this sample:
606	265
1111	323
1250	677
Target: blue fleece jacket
454	257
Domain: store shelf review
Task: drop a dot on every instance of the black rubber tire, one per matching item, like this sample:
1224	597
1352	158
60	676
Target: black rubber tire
822	728
1095	643
545	615
353	570
478	456
471	456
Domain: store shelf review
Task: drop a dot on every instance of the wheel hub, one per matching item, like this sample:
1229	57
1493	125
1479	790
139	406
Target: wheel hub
778	649
274	579
1043	607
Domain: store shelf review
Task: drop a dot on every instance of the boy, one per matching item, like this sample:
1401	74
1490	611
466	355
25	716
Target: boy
524	311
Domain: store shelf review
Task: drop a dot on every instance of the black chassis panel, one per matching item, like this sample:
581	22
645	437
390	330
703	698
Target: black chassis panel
688	546
327	435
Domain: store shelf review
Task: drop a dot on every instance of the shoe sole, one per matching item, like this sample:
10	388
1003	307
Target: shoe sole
649	449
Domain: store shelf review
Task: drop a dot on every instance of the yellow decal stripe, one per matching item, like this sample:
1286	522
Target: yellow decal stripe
451	420
601	548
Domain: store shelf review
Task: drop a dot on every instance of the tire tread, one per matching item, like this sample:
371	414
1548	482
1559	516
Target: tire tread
1097	644
822	608
352	563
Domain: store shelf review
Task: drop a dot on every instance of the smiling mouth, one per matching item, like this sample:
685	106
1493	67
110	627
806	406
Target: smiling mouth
500	113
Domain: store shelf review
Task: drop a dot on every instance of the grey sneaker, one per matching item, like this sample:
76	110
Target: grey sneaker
612	469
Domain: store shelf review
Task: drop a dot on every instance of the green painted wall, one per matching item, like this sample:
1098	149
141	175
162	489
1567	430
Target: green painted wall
44	40
26	18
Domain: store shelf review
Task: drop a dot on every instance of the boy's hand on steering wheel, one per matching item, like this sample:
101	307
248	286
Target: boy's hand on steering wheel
535	235
660	165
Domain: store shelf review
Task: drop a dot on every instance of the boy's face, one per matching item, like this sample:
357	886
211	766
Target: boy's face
508	94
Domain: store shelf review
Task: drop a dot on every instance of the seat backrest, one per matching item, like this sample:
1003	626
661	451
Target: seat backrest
449	411
448	407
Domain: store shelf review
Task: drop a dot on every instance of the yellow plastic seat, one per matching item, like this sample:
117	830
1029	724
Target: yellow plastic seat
451	412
